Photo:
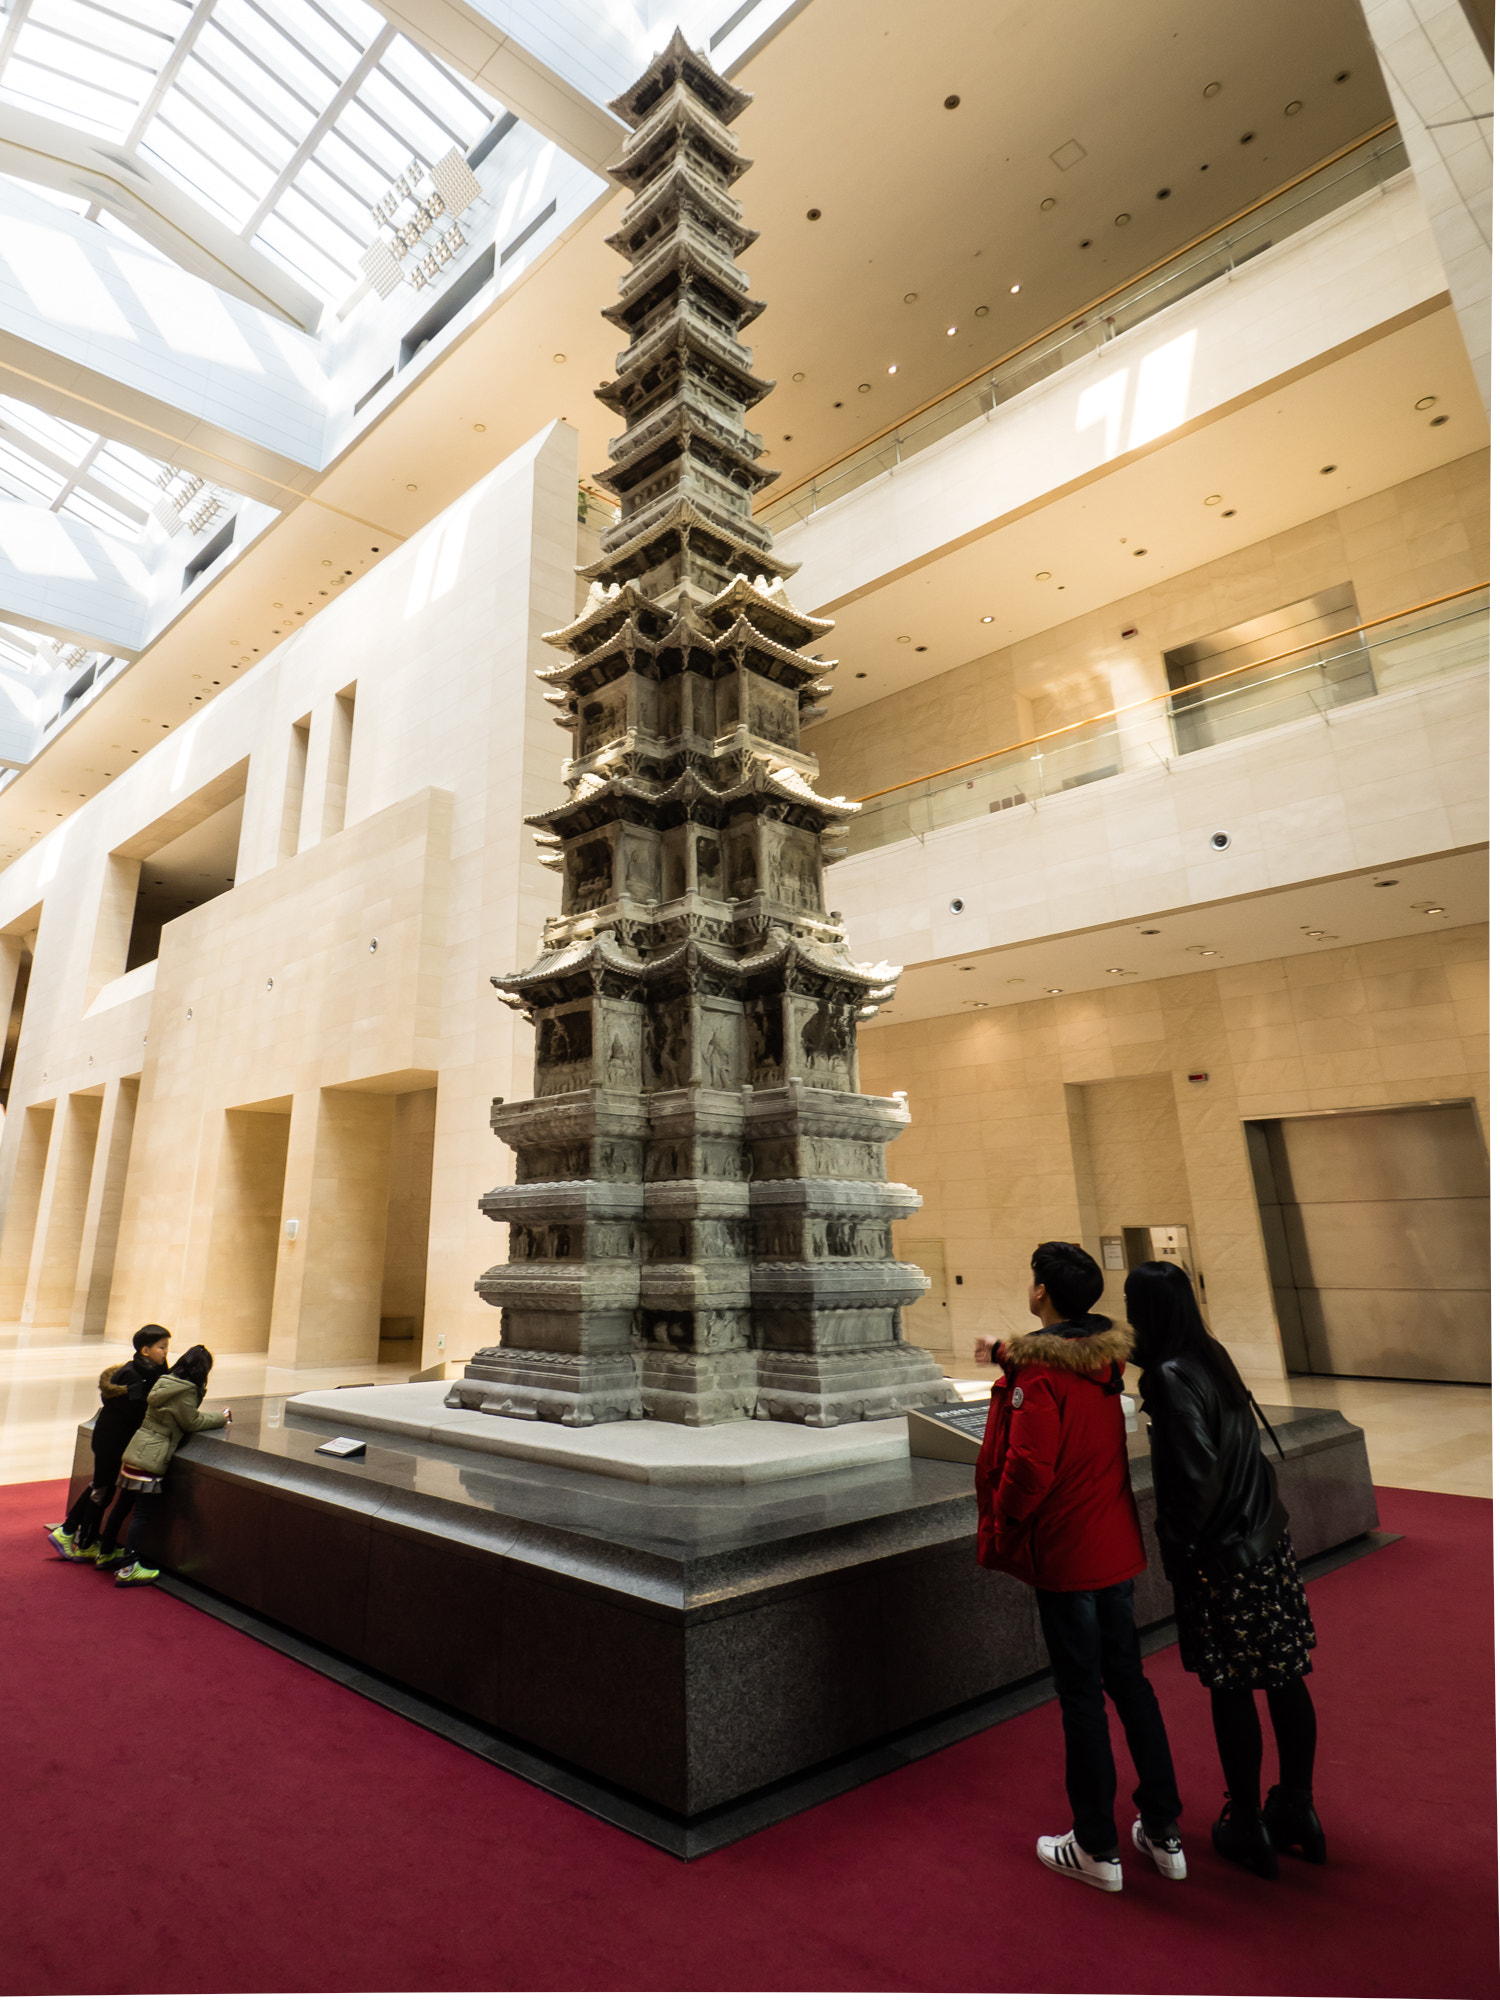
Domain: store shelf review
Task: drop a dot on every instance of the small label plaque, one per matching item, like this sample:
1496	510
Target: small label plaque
343	1448
1114	1252
952	1431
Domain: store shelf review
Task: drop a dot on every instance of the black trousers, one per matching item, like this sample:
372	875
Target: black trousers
139	1510
1095	1650
87	1511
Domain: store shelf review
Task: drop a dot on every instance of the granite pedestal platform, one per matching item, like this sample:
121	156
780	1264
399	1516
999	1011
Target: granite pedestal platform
691	1661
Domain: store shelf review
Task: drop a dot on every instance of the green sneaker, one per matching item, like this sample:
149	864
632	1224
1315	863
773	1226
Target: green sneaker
64	1544
85	1555
107	1558
135	1572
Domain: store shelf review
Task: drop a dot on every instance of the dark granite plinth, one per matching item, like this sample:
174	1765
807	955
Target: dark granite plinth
687	1647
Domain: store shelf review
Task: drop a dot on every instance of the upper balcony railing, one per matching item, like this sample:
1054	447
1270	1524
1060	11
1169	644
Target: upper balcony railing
1445	635
1354	171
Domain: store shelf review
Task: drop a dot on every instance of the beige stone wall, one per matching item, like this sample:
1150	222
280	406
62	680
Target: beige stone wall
1058	1118
1400	547
320	1043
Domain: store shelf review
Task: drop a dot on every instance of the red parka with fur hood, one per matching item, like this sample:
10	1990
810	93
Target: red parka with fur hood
1053	1478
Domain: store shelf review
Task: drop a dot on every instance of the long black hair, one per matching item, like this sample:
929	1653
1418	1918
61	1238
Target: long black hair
1166	1322
194	1367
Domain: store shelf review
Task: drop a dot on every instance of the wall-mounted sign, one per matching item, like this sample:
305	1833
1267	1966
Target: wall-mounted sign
1114	1252
446	188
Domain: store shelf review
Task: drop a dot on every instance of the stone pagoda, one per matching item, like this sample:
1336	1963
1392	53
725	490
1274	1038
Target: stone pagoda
700	1229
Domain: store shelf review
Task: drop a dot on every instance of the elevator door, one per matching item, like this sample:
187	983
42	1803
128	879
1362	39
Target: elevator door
1377	1234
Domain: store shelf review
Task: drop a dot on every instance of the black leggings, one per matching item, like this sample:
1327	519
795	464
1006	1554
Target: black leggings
1237	1732
87	1511
139	1510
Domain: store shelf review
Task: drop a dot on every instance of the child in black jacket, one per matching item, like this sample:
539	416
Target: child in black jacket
123	1389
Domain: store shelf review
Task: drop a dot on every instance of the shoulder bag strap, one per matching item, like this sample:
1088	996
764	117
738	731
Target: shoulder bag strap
1269	1432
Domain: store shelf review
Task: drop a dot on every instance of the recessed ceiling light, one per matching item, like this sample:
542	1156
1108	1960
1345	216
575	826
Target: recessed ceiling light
1324	470
951	331
966	968
478	427
1430	909
1386	881
1246	138
910	299
864	388
988	618
1204	952
1229	513
951	103
903	638
1015	982
861	676
1050	202
1151	933
981	312
1044	576
1014	289
1114	968
921	649
1140	552
1212	89
1121	220
1291	110
559	357
1163	194
1214	500
892	369
1087	243
411	489
1052	989
1435	421
1425	402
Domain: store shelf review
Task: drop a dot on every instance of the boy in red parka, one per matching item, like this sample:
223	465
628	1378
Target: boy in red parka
1056	1510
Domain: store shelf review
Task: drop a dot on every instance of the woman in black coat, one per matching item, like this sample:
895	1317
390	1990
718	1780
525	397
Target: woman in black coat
1242	1614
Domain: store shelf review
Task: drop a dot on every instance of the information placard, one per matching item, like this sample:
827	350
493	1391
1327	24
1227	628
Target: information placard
343	1448
952	1431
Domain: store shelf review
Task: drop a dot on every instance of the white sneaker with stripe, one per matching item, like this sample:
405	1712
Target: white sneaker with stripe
1061	1853
1166	1852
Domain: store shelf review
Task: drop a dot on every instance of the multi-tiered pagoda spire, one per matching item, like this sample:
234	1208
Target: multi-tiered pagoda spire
700	1228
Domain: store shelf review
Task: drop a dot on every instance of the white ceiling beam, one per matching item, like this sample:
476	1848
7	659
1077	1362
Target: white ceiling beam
38	149
101	332
468	36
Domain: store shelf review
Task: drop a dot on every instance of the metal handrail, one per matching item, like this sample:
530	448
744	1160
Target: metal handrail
1173	694
1071	320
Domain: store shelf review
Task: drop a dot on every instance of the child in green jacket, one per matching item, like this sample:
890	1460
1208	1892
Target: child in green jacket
172	1413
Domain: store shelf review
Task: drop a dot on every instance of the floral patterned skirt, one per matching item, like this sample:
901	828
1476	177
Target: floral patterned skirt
1253	1630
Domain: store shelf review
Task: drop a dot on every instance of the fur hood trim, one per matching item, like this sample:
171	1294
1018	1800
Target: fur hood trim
1080	1355
108	1387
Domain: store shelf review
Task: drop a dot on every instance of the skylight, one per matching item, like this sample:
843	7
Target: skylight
56	465
287	118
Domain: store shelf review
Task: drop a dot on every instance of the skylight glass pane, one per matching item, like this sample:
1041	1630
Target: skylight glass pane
95	514
62	96
289	246
111	32
344	206
465	115
24	479
425	135
257	38
67	440
268	128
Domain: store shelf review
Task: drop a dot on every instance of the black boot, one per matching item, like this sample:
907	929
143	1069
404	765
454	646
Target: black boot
1239	1834
1292	1823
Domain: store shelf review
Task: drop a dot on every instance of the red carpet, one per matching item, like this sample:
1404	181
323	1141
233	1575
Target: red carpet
186	1811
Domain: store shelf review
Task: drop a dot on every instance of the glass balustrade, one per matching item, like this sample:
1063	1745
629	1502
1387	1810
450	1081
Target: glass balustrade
1318	194
1387	655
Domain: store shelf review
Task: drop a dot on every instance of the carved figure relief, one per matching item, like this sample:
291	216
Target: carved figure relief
720	1050
590	872
709	883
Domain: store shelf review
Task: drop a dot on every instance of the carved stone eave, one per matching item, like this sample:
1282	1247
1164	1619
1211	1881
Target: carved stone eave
686	249
682	332
678	58
676	116
681	180
749	589
686	424
604	603
682	517
598	789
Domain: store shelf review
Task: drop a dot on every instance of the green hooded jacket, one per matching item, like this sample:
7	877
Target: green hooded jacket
172	1412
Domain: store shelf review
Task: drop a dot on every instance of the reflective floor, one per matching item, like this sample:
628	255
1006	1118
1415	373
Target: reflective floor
1433	1436
49	1384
